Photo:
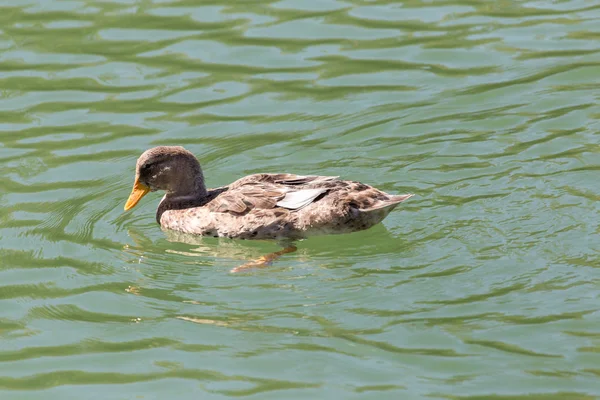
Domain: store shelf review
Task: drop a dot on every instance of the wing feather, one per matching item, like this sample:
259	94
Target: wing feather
268	191
300	198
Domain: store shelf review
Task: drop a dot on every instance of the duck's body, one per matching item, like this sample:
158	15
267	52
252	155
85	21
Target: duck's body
260	206
280	206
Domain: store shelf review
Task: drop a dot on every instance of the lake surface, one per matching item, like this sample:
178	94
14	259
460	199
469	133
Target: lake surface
484	285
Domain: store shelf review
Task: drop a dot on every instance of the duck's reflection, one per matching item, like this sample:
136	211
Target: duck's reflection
228	248
214	247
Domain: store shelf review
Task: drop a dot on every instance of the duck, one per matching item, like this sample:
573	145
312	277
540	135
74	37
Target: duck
263	206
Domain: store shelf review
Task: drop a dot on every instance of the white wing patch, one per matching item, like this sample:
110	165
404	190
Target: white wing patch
300	199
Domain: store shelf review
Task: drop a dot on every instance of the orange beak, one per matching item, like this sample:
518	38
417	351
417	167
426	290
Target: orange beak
139	191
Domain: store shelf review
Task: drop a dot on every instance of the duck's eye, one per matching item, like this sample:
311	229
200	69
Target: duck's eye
145	168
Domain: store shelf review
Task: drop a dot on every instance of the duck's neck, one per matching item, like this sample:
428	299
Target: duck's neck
193	196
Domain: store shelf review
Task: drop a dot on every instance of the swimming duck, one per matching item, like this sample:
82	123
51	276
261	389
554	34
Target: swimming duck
258	206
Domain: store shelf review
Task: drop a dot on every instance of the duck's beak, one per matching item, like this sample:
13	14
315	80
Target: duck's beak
139	191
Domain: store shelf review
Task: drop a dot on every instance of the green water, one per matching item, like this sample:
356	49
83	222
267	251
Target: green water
484	285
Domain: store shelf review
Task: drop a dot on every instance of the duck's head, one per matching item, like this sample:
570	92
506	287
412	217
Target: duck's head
169	168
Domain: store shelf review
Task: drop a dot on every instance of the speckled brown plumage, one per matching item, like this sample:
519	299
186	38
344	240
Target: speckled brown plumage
260	206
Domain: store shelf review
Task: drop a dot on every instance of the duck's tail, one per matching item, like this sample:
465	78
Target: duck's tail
390	203
399	198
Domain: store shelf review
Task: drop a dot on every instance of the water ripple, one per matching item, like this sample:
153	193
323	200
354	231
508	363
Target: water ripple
487	111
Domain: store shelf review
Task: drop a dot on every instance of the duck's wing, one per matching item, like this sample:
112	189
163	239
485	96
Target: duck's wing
268	191
242	199
300	198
